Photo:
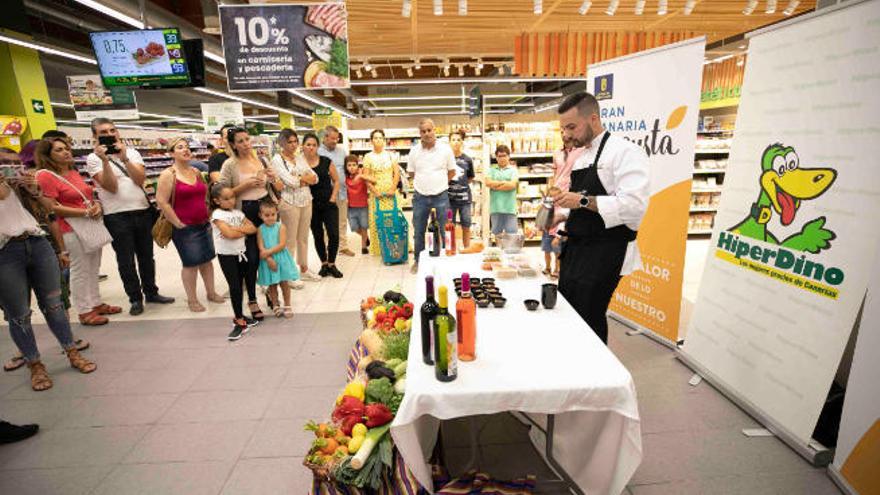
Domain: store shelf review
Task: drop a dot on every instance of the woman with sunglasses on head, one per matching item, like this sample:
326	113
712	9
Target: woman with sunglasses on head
182	196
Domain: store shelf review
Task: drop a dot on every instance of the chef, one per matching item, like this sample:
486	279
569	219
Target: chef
604	206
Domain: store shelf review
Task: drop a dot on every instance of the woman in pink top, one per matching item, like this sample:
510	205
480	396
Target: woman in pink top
188	212
563	162
61	182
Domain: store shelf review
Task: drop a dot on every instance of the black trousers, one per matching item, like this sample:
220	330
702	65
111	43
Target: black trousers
132	233
325	216
234	270
251	210
588	276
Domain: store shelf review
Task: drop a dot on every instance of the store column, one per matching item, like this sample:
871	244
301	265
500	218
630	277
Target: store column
24	91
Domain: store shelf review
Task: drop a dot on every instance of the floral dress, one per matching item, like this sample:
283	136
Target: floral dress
381	167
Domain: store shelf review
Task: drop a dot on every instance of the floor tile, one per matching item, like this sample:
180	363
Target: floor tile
279	438
67	383
196	407
80	480
193	442
146	382
217	377
72	447
118	411
197	478
45	413
304	403
264	476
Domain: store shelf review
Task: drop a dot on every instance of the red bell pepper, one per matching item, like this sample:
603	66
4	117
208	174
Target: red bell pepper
408	310
377	415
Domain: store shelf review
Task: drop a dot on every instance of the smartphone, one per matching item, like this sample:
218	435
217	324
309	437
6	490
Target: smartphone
110	143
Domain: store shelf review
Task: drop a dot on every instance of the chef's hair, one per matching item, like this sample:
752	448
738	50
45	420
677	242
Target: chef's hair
585	103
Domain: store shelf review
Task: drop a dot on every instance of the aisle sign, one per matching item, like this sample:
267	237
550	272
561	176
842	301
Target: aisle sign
660	115
216	115
91	99
796	231
279	47
322	117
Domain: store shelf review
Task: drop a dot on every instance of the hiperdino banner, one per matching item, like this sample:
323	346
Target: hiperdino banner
797	228
659	113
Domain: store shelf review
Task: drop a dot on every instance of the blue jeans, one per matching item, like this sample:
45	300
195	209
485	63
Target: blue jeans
31	264
422	211
503	223
463	212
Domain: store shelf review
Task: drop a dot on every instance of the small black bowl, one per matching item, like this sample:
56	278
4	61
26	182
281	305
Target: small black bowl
457	280
499	302
483	303
488	280
475	281
531	304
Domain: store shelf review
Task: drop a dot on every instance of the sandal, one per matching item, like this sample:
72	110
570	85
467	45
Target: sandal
106	309
278	310
216	298
40	380
14	363
77	361
288	312
546	271
92	319
256	314
195	306
554	275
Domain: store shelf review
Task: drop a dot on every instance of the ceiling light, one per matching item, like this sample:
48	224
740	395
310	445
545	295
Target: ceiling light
547	107
59	104
131	21
461	70
374	73
612	7
741	47
409	71
424	112
438	7
367	66
689	6
255	103
523	95
417	107
640	7
510	110
478	68
462	7
466	80
418	64
323	103
46	49
538	6
406	9
398	98
771	7
750	7
585	7
503	105
740	62
662	7
359	73
446	70
792	4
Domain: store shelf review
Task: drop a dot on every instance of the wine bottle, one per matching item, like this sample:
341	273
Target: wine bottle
450	234
428	312
466	317
434	235
445	340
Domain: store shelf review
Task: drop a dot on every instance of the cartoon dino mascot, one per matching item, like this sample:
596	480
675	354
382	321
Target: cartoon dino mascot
784	184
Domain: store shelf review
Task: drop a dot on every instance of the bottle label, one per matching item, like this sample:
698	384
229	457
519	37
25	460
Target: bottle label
429	240
448	239
452	353
431	337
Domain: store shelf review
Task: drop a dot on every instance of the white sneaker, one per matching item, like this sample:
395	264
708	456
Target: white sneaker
297	284
309	277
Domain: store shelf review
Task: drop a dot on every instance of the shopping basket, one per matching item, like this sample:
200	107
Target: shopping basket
393	233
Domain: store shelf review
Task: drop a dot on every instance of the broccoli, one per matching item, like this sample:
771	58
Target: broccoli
379	390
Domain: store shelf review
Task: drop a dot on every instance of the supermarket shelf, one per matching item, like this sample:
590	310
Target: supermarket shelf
699	232
528	196
542	154
526	216
719	151
536	176
705	171
695	209
716	131
707	190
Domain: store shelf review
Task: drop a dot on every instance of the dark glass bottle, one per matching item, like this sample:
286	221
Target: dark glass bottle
428	312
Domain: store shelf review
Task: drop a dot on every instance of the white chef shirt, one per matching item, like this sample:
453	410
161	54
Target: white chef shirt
129	196
431	167
623	172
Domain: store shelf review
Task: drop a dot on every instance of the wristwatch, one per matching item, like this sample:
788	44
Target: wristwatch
585	200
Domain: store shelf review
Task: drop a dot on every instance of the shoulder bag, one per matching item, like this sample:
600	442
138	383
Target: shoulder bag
163	229
92	233
151	202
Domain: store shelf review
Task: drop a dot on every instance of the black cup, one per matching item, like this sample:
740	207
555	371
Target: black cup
548	295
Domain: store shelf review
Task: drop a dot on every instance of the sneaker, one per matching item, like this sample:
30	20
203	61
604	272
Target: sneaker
251	323
324	271
10	433
297	285
332	270
309	276
238	330
365	251
414	269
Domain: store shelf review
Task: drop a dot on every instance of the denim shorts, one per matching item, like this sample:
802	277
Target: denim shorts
464	214
194	244
547	244
358	219
504	223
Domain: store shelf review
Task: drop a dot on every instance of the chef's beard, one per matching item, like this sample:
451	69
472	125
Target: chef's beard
585	139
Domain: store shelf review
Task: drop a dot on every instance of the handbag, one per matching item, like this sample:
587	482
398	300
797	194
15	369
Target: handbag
273	195
162	228
91	232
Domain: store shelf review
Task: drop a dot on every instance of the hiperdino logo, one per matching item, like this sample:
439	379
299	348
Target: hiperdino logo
784	185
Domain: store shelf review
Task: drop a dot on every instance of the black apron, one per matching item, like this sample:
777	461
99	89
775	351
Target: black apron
592	255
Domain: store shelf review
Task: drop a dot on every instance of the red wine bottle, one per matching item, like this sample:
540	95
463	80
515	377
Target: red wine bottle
427	313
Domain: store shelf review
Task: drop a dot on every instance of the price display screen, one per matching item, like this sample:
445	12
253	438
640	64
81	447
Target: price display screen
146	58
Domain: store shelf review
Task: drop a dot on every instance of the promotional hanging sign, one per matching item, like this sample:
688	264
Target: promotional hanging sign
289	46
322	117
12	127
660	115
91	99
796	232
216	115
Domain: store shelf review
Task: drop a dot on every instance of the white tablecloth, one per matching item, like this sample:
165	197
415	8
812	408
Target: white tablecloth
546	361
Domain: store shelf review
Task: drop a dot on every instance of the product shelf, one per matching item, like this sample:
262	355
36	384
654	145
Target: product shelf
712	152
707	171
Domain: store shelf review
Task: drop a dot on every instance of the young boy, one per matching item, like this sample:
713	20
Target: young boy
502	183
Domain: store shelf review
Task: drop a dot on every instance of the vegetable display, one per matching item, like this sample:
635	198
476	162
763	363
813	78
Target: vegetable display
355	448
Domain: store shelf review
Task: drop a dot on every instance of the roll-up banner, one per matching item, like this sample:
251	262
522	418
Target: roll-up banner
659	113
796	232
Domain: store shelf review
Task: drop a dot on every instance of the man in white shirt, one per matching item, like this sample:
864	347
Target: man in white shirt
433	166
608	197
336	153
119	177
